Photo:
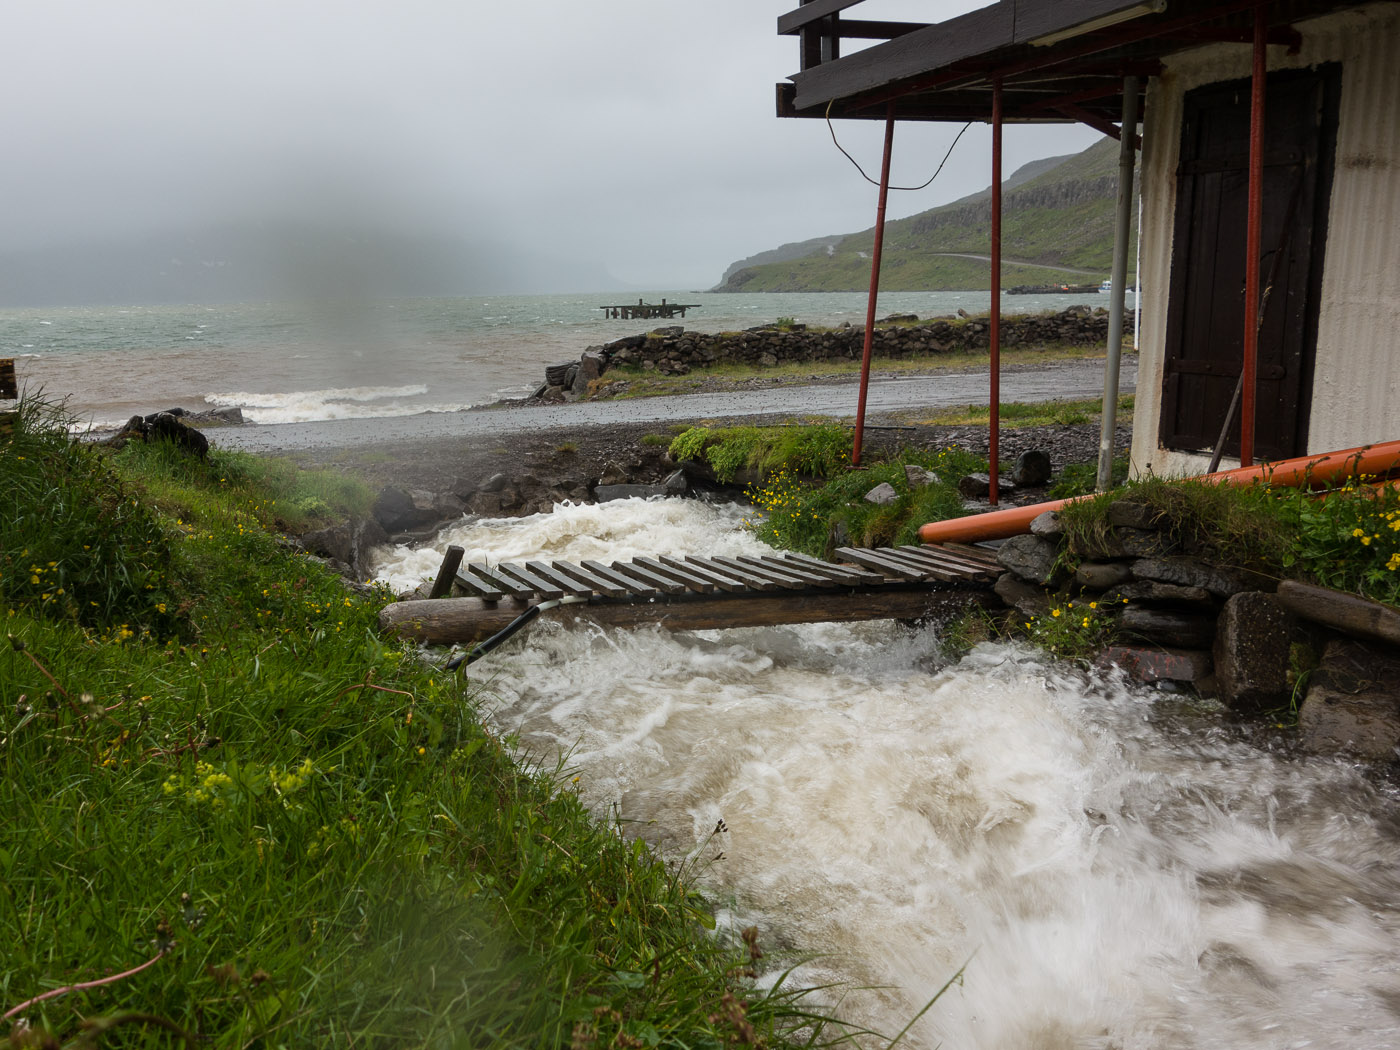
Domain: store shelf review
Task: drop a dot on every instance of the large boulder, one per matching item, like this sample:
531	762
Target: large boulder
1353	702
168	426
1251	651
347	546
1033	467
1157	664
1169	628
1032	558
1191	572
400	511
590	367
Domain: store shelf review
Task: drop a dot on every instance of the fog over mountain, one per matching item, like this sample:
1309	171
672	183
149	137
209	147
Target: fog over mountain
521	147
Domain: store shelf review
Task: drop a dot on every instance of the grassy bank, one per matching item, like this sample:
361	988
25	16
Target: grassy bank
1347	537
236	816
810	500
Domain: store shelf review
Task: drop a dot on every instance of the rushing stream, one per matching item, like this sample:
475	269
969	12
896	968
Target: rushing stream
1114	867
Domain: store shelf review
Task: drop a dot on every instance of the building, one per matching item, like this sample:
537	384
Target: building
1319	173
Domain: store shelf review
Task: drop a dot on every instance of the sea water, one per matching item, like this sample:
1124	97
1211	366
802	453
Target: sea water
302	361
1108	868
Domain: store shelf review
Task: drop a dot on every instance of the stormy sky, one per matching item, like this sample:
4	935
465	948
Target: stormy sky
636	136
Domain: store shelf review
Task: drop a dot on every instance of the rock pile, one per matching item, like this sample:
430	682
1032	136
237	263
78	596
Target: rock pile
674	351
1185	622
171	425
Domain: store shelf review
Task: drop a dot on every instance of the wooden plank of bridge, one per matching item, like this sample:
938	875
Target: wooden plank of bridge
948	568
546	571
692	580
633	586
500	581
847	574
719	579
931	570
879	560
591	579
544	590
787	568
984	555
478	586
661	583
753	572
747	581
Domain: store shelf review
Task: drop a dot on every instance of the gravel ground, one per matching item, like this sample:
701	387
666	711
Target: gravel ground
585	442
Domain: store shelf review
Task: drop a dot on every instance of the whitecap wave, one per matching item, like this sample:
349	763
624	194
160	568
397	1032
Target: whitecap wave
306	406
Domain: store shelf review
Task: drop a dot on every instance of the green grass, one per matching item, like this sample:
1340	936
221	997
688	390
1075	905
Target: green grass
818	449
1347	537
223	767
802	516
1031	414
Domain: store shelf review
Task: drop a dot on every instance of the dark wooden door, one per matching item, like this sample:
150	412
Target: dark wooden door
1205	316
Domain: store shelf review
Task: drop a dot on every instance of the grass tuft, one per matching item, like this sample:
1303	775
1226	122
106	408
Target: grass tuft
249	820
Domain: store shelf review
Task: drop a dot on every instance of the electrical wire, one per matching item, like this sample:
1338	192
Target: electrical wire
832	128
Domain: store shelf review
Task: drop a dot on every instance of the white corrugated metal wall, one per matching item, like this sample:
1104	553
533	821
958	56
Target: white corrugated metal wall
1356	389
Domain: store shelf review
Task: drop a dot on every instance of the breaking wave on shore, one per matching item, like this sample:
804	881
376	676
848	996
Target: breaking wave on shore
360	402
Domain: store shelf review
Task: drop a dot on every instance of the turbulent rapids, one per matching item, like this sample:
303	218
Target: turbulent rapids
1112	868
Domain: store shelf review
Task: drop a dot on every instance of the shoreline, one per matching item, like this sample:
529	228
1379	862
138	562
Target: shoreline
560	450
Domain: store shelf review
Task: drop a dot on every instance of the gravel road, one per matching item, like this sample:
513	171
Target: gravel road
1060	380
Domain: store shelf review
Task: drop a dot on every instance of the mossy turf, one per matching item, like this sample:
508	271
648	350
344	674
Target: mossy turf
236	816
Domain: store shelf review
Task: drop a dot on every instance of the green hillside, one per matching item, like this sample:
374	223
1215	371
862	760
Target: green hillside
1056	223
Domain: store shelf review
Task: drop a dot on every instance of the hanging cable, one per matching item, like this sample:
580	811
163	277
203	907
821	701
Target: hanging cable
477	652
832	128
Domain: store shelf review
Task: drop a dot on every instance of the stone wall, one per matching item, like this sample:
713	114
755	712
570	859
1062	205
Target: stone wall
1182	621
675	350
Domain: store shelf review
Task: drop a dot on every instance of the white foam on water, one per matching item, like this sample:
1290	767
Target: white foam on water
1115	868
611	531
304	406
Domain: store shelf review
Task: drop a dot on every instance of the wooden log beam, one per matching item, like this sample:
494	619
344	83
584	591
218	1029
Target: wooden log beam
1346	612
466	620
447	574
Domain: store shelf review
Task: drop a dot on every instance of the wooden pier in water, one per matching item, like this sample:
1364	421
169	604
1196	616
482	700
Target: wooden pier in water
703	593
647	311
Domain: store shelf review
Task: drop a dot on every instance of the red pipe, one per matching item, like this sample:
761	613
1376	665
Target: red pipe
874	286
1253	237
1313	471
994	396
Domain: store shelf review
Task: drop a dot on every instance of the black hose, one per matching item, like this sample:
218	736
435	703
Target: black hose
505	632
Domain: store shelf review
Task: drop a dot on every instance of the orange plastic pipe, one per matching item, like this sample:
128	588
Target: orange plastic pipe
1379	459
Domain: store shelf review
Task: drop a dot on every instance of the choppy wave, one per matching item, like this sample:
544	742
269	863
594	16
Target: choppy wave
305	406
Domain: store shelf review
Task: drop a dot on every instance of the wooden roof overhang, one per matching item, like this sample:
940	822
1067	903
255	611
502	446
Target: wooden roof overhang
1057	60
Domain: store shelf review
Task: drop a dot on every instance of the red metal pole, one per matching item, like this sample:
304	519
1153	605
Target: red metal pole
994	397
1253	238
874	285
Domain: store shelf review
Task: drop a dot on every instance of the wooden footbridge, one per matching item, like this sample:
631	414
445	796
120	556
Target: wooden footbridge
700	593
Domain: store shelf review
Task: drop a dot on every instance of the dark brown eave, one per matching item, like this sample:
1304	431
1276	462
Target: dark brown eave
945	71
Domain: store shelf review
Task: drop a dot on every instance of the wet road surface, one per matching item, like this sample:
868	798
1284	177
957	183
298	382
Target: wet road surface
1068	380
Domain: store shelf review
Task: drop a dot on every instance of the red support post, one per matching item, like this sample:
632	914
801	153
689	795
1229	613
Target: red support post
1253	237
994	396
874	286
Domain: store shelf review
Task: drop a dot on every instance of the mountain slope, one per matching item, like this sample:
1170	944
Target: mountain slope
1057	223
